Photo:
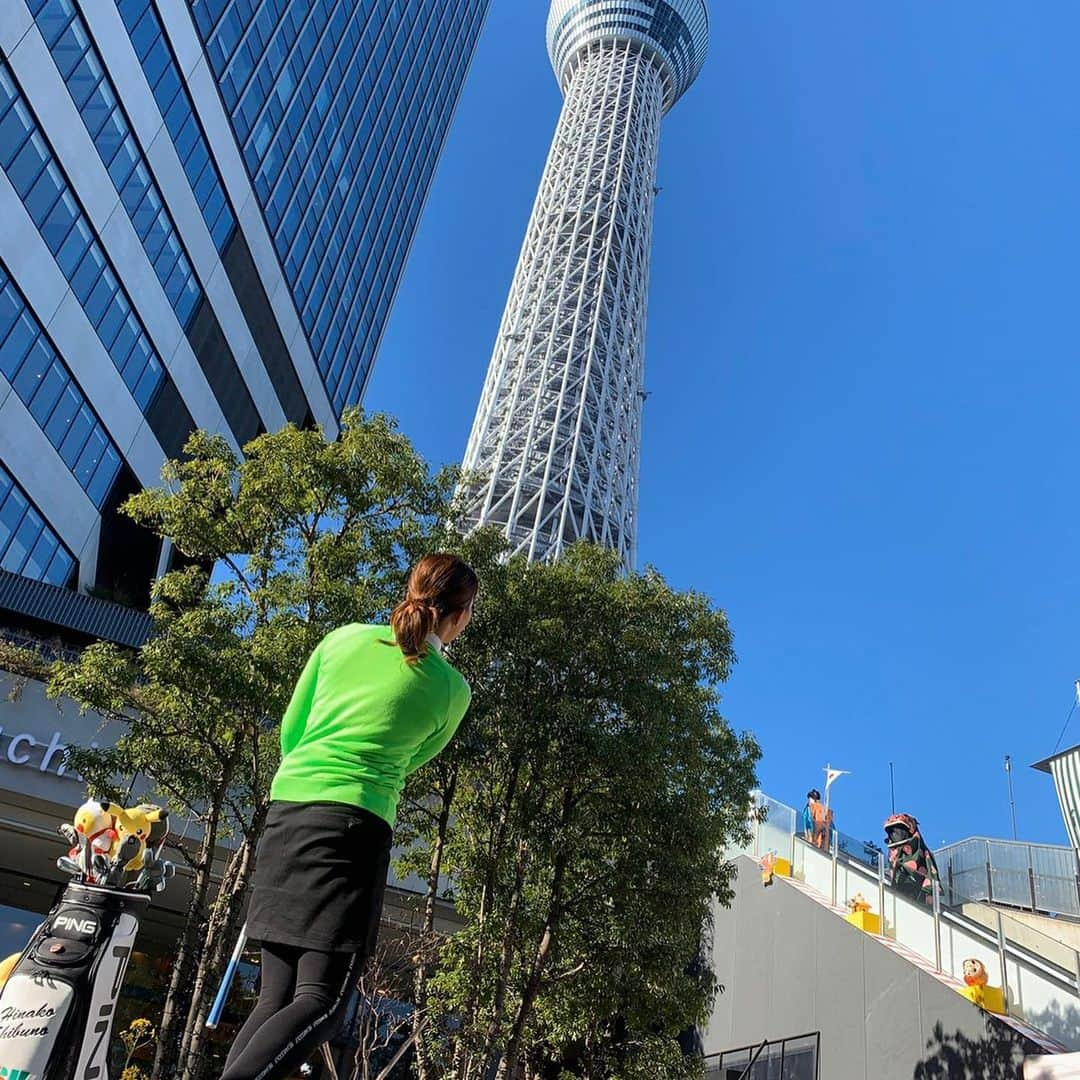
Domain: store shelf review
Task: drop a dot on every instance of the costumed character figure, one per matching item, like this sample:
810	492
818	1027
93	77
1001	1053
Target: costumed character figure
158	817
859	903
93	832
133	829
975	973
911	863
768	868
817	820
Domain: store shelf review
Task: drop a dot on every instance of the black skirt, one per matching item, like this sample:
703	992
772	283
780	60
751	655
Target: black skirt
320	876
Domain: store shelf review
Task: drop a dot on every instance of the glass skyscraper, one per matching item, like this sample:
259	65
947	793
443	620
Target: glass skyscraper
205	209
340	108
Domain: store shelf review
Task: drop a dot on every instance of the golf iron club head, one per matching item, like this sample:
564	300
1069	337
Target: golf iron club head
69	866
117	864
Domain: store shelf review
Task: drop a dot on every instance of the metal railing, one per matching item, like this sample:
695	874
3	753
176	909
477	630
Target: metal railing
1034	877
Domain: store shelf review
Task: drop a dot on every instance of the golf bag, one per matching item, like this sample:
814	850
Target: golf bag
57	1007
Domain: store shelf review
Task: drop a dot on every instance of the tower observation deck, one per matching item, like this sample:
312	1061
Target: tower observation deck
555	445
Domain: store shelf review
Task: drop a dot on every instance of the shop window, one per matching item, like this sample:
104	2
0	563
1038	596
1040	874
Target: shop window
783	1059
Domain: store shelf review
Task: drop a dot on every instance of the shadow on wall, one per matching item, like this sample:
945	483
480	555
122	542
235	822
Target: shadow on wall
1060	1024
998	1055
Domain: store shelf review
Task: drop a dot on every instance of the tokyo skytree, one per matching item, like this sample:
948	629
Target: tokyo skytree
555	444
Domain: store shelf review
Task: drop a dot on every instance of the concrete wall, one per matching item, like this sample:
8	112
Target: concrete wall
1062	930
790	967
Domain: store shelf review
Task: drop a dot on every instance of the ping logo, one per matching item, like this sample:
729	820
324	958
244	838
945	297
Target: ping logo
14	1074
85	926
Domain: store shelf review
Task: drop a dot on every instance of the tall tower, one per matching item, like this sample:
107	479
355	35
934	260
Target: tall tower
555	443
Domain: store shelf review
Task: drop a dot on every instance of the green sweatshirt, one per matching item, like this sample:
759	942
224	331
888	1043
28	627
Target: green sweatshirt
361	719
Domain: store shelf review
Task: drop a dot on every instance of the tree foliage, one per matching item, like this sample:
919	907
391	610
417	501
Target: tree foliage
577	821
304	535
592	795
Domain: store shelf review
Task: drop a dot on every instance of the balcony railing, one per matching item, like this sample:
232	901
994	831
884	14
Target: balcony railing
1034	877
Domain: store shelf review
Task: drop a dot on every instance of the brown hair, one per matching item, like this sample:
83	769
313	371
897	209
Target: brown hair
439	585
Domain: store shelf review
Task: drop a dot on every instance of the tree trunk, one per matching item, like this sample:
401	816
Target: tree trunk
509	1066
221	932
175	1007
506	959
461	1062
430	896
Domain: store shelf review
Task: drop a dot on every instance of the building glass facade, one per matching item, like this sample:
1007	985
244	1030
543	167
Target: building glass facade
219	195
27	545
38	179
94	95
178	111
45	385
340	110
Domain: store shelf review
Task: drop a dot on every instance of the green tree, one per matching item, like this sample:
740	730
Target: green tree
581	818
304	535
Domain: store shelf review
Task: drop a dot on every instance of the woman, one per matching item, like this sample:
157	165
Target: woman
367	711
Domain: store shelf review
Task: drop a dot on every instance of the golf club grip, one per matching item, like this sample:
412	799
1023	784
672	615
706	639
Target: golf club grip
214	1017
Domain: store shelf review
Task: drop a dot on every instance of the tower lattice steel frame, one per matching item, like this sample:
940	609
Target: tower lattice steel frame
555	445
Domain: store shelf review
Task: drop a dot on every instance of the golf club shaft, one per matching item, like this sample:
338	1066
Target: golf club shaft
214	1018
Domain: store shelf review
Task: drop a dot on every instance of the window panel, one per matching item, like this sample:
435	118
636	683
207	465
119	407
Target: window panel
63	414
111	136
156	236
78	432
148	384
24	534
41	555
92	453
12	510
15	128
52	18
100	298
126	337
48	392
111	323
43	195
123	162
21	337
61	568
69	49
136	187
33	368
28	164
74	249
84	76
88	273
58	223
98	108
10	306
103	476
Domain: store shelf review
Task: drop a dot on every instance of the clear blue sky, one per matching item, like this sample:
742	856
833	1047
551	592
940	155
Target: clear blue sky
862	352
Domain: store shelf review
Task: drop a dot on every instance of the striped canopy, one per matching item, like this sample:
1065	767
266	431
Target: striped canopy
1065	769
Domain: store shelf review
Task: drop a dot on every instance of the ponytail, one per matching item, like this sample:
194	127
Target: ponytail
439	586
412	620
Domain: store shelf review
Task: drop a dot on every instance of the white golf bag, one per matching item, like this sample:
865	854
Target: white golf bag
58	1005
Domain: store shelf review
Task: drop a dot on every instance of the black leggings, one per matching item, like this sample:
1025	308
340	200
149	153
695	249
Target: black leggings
302	1001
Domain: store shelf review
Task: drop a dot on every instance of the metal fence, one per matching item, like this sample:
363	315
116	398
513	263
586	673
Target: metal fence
1036	877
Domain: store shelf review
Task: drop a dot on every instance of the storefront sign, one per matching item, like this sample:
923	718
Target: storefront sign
27	751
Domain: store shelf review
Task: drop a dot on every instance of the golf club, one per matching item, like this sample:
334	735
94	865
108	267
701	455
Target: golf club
214	1016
